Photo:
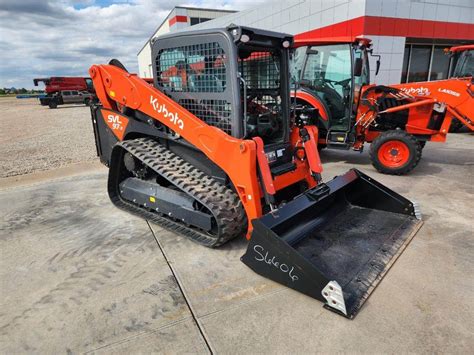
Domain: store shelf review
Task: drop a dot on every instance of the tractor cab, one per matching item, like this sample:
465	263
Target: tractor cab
464	57
332	71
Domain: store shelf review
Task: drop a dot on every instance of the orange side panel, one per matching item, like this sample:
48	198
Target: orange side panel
116	122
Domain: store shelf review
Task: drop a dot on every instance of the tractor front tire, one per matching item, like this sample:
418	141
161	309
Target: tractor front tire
395	152
53	104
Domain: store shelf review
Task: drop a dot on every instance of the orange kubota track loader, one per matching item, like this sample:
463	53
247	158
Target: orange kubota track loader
213	151
332	75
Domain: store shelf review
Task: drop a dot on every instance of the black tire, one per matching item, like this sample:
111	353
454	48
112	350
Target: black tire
87	102
53	104
422	144
408	143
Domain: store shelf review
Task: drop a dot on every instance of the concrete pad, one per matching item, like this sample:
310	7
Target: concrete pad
424	304
213	279
178	338
77	275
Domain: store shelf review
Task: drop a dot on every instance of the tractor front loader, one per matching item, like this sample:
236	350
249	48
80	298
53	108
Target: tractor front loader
213	150
332	75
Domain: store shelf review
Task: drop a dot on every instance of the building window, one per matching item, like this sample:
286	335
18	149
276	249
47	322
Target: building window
425	63
419	63
197	20
406	59
439	64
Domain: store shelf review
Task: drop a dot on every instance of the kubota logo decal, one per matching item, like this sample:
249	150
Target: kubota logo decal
449	92
265	258
421	91
161	108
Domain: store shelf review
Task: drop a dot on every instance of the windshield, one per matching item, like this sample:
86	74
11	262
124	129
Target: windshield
329	65
327	72
465	64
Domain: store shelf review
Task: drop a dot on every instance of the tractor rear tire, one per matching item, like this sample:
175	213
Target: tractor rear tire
395	152
53	104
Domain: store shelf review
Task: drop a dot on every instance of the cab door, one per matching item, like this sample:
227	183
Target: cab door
76	97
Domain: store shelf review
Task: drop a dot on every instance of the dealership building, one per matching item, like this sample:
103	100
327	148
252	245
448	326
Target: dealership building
410	35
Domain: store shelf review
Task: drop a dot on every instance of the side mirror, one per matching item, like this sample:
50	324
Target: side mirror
377	63
358	67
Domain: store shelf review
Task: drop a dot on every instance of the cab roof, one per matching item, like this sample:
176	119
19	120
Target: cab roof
305	40
466	47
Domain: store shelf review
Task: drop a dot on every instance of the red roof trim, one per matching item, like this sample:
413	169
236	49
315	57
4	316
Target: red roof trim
175	19
391	26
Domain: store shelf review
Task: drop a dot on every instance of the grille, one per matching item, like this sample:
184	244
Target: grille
261	73
193	68
216	113
261	70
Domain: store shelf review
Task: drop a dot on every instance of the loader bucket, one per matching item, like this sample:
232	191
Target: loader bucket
335	242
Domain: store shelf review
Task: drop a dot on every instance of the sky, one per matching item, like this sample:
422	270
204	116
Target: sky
43	38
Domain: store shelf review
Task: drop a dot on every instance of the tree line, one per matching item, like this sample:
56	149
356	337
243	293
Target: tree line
6	91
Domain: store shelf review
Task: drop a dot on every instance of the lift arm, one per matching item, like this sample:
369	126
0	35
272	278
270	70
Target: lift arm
115	87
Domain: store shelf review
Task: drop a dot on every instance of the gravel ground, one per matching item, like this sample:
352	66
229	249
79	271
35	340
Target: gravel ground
35	138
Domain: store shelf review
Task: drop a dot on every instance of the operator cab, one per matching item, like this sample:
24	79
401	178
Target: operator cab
234	79
334	74
464	64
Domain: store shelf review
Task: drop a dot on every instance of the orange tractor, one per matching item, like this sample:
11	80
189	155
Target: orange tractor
332	76
213	150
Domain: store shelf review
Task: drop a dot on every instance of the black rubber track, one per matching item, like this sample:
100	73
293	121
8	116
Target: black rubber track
223	203
397	135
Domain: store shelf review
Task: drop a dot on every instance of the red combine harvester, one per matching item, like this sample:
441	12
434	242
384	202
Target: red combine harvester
77	90
332	76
